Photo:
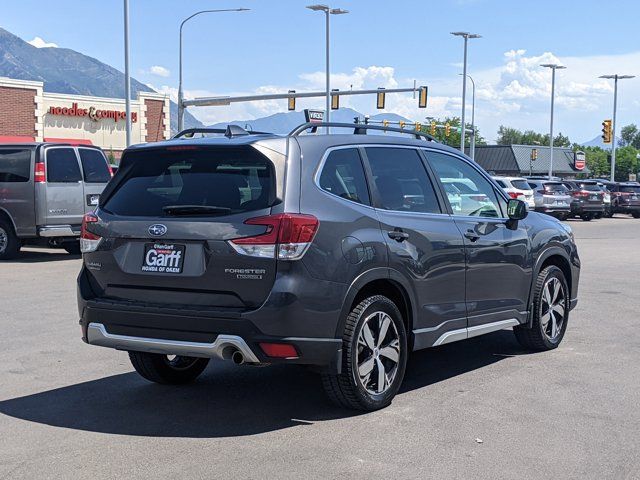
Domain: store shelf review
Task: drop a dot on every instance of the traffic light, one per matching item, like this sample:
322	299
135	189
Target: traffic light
422	97
380	99
534	154
402	124
292	101
418	126
385	123
432	129
606	131
447	129
335	100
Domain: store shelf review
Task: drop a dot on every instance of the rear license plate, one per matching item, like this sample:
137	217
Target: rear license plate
593	197
163	258
93	199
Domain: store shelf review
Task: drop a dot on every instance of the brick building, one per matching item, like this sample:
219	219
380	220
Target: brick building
28	113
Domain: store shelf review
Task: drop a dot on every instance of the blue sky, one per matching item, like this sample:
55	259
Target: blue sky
280	45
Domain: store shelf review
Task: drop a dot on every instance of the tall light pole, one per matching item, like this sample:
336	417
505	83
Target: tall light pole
127	76
327	11
615	78
553	67
472	147
466	36
180	92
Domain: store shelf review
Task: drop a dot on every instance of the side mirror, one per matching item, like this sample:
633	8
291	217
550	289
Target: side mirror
516	209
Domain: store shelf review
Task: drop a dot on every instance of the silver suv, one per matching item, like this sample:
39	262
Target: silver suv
45	189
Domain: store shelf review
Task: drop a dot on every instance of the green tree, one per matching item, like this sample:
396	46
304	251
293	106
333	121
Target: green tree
629	135
626	162
597	159
454	138
513	136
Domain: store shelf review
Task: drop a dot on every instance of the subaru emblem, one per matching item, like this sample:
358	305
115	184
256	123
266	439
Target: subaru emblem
157	230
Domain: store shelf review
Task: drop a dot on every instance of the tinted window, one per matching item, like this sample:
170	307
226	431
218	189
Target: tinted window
232	179
520	184
15	165
62	166
555	187
477	197
343	175
401	180
94	165
590	187
629	189
501	183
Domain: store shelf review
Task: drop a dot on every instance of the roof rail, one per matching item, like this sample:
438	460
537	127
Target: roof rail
360	129
229	132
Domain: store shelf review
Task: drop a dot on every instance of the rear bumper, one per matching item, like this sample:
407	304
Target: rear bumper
627	208
582	208
552	209
48	231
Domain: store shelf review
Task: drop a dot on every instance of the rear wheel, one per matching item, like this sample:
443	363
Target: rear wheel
586	217
636	214
550	312
374	349
598	216
167	369
9	242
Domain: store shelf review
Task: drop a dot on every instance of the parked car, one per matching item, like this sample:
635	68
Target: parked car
626	198
345	261
517	187
45	189
604	186
551	197
587	199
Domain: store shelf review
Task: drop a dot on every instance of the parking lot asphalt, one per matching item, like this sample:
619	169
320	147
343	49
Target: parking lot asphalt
479	409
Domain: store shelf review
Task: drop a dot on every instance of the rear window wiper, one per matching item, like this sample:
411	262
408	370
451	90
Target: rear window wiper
185	210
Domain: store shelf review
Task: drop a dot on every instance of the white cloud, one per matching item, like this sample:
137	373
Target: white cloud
159	71
40	43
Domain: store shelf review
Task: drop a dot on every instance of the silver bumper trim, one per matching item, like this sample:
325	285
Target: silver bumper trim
58	231
464	333
222	348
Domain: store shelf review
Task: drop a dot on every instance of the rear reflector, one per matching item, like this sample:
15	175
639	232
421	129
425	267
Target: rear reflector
279	350
39	175
287	236
89	241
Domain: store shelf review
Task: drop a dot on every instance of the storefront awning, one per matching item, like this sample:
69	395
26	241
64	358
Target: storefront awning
15	139
72	141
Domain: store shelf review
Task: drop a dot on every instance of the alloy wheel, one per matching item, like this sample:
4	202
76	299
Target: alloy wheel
4	240
553	309
378	353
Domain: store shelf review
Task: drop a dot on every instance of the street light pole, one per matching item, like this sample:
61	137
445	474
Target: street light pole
180	92
472	147
615	78
466	36
553	67
127	76
327	11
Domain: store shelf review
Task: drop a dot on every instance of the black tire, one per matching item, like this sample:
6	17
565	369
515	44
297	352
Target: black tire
598	216
347	389
9	243
161	369
586	217
537	337
72	247
636	214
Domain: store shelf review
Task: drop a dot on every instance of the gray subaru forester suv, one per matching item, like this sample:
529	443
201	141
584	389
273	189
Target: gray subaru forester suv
339	251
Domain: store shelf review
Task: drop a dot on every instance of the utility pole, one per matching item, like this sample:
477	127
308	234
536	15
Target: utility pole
553	67
127	76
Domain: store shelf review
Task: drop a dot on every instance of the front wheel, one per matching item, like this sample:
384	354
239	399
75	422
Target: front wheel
374	357
167	369
550	312
636	214
9	242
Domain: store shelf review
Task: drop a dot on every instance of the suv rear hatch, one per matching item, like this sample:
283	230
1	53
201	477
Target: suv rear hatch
630	195
166	222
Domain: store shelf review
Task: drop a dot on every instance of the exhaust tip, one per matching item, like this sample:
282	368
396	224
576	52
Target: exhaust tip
237	357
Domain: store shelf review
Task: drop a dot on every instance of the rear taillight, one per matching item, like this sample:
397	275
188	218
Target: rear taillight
110	169
513	194
39	175
89	241
279	350
287	237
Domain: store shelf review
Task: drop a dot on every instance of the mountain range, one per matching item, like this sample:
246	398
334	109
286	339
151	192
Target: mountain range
66	71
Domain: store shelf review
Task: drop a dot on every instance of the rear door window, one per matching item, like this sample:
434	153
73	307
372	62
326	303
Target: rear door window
94	165
520	184
207	181
343	175
401	180
62	166
15	165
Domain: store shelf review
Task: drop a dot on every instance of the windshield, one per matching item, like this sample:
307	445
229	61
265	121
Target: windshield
205	181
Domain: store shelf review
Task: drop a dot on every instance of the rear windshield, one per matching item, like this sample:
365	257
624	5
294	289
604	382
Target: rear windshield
15	165
229	180
590	187
520	184
555	187
94	165
629	189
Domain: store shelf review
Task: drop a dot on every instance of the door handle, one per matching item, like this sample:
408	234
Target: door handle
398	235
471	235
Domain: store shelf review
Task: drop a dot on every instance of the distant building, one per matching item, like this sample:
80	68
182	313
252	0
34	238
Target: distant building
516	160
28	113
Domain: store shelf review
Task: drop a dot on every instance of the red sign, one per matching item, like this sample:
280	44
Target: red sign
92	112
579	161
